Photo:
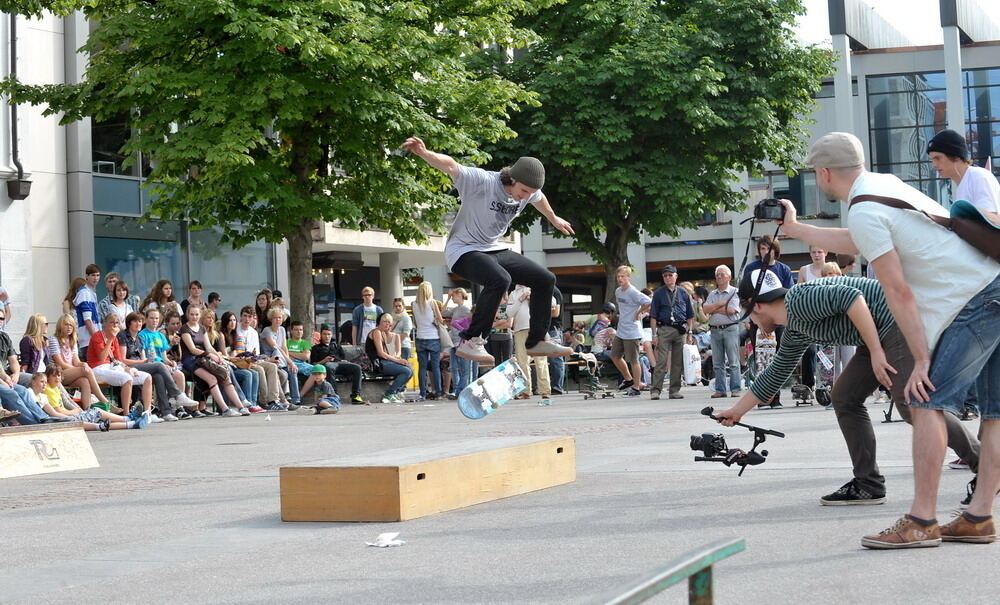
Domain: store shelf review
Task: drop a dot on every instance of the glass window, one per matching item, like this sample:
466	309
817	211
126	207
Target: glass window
117	195
906	109
106	141
900	145
235	274
983	103
141	252
982	77
906	82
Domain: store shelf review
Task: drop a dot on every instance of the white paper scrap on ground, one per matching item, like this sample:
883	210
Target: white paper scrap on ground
386	540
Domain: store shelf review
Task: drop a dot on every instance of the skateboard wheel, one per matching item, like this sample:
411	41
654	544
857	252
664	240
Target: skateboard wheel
495	406
480	382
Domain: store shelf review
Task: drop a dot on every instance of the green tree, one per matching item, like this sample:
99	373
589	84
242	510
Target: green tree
650	109
262	117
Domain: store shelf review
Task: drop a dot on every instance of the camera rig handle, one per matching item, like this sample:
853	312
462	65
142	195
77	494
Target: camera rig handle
756	429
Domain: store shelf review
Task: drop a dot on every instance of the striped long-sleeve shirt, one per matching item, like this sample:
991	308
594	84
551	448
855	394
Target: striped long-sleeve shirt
817	314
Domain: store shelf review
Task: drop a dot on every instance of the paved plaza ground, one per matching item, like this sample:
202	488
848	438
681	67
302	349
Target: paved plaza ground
189	513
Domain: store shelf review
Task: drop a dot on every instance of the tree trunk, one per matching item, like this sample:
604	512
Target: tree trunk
616	244
300	278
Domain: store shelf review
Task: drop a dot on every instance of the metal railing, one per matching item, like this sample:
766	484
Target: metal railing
695	565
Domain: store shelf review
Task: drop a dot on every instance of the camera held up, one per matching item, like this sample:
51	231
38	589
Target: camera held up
769	209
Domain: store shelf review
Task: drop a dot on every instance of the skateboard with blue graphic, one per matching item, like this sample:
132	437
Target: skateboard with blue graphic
486	394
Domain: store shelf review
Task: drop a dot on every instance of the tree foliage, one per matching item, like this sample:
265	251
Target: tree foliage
650	109
243	107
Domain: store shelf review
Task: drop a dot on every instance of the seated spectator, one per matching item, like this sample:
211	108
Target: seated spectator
261	306
273	346
68	308
329	354
168	394
5	303
58	404
246	341
249	374
75	373
105	357
218	343
299	350
602	344
16	398
383	348
193	297
8	357
200	359
117	301
157	345
159	295
33	347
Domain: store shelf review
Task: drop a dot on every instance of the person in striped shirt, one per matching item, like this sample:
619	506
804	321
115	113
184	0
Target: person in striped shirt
839	311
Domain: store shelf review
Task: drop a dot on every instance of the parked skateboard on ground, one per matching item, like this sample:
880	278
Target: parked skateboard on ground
491	390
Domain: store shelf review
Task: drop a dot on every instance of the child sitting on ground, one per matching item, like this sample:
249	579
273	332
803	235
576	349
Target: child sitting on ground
324	397
56	402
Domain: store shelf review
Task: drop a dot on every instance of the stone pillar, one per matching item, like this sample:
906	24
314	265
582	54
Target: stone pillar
843	88
390	278
79	154
953	78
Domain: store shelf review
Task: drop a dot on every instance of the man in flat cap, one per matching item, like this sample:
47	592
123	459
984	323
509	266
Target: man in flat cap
945	297
490	201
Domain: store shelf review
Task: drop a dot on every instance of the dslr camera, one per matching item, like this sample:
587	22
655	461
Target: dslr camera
710	444
769	209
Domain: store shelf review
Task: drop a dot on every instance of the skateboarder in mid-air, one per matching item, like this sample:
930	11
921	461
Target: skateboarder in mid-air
490	201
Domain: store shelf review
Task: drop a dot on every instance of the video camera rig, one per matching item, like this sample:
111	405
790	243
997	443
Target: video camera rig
714	448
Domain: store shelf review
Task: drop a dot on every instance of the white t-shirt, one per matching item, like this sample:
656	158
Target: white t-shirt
424	320
369	313
519	311
484	215
942	270
979	187
250	339
630	299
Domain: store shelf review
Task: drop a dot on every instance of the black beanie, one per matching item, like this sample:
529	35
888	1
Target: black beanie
950	143
529	171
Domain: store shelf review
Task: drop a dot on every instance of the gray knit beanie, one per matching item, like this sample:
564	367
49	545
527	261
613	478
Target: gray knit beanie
529	171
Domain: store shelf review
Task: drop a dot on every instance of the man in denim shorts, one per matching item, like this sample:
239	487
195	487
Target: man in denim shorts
945	297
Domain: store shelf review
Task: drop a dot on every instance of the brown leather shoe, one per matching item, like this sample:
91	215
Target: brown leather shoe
961	529
904	533
718	395
676	396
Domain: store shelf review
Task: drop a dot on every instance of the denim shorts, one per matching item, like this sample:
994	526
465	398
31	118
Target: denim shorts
968	353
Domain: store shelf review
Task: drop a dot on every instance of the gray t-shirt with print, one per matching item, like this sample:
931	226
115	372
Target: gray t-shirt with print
484	216
630	300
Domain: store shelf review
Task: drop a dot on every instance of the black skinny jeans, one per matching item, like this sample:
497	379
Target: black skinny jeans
495	272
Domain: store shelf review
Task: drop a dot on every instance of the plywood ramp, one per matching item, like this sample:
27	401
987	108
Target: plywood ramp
407	483
44	448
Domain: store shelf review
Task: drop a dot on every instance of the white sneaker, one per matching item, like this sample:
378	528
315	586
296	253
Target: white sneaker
246	403
548	348
230	413
474	349
153	419
244	412
184	400
169	418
